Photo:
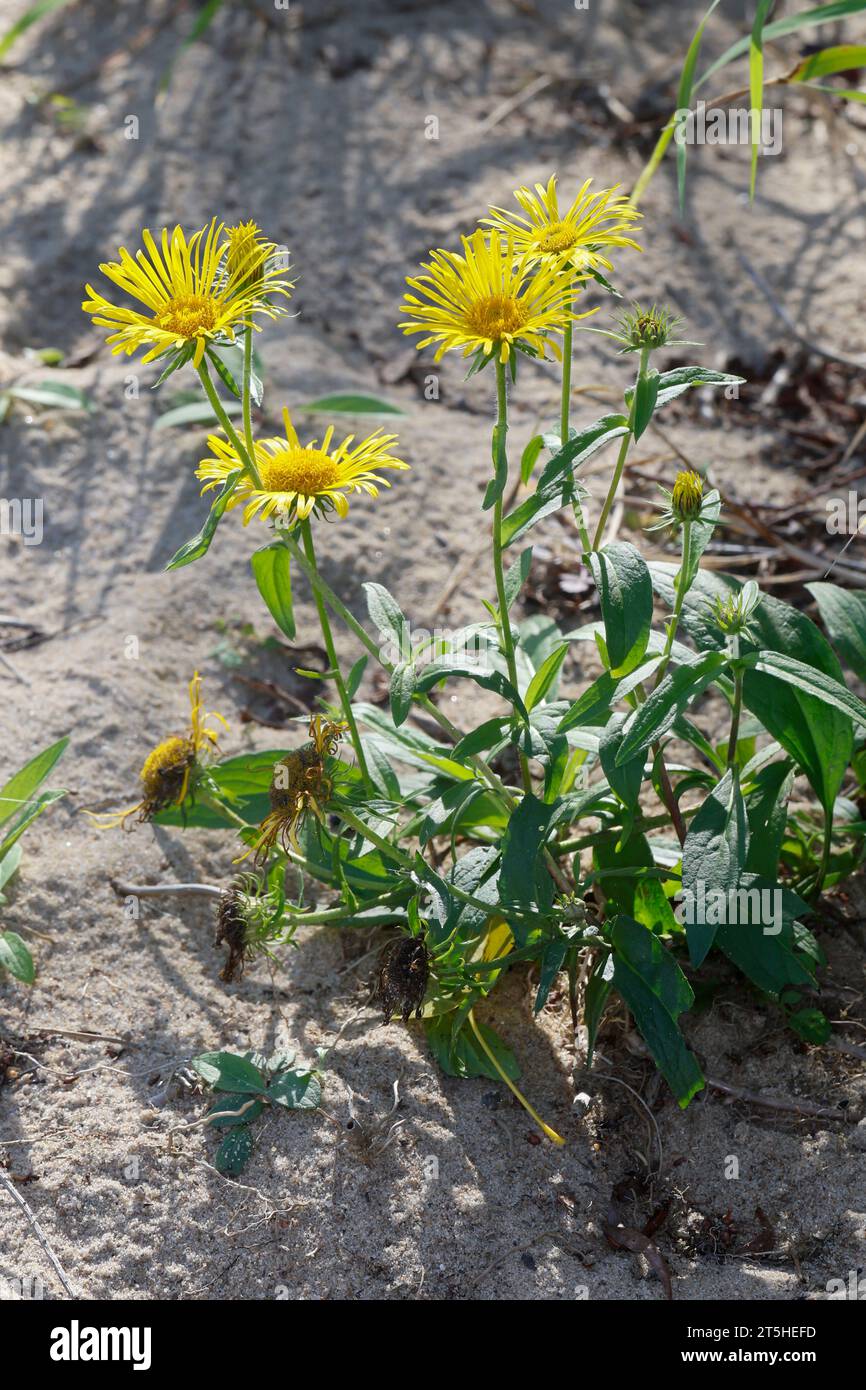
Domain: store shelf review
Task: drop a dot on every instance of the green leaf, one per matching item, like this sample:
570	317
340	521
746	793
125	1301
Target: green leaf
226	1071
813	682
646	395
523	878
57	394
616	861
220	362
811	1025
546	677
843	57
355	676
657	992
673	383
843	613
663	707
296	1090
199	545
461	1055
626	595
36	12
625	779
552	961
493	680
767	809
529	457
402	690
822	14
8	865
756	85
386	613
234	1152
17	794
194	413
35	809
557	486
767	958
271	566
701	532
594	705
350	403
596	997
517	575
714	856
15	957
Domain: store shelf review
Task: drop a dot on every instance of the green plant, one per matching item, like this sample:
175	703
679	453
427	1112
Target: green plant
602	833
248	1084
19	808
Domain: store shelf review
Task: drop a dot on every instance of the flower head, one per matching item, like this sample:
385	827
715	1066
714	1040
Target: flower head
249	919
297	478
687	495
173	766
301	782
576	238
648	328
485	301
194	292
733	615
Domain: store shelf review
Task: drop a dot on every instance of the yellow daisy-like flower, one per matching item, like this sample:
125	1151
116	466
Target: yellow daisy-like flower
486	300
574	239
297	478
169	768
194	292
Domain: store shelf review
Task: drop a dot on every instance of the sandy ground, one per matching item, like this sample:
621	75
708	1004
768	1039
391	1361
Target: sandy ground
315	125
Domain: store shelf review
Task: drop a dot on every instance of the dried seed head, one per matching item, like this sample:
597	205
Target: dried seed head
402	980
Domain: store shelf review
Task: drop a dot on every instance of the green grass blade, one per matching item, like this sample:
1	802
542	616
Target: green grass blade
684	99
823	14
31	16
756	87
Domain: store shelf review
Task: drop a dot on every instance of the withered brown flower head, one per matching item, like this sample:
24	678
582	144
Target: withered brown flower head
402	980
300	783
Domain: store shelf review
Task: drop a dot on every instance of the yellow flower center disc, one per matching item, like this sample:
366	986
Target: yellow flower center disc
495	315
305	471
188	315
559	236
170	754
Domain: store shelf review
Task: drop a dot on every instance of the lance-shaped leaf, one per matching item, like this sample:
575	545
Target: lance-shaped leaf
673	383
843	612
661	710
272	573
557	486
813	682
626	594
714	856
488	679
761	942
199	545
657	992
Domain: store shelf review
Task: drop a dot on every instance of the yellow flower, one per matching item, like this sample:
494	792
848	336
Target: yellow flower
169	768
485	300
574	239
300	783
687	495
194	292
298	478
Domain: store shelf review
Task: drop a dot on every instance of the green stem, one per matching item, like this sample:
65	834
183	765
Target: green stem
551	1133
623	453
386	847
247	394
735	717
825	855
565	411
498	572
682	590
324	623
246	459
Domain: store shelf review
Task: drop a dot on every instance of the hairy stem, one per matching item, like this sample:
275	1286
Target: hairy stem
333	662
498	573
623	454
246	459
